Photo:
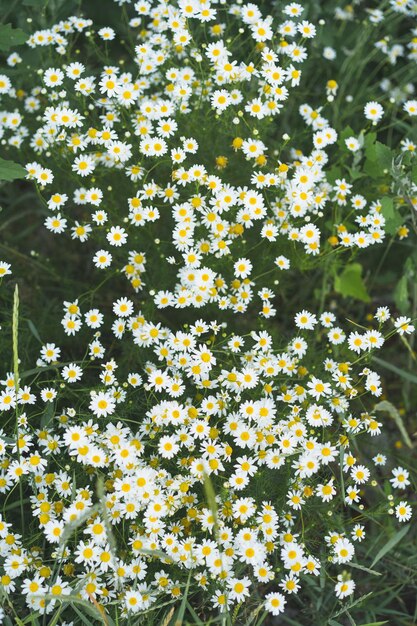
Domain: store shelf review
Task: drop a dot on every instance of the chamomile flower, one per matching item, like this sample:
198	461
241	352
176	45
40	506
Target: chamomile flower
305	320
116	236
4	269
106	33
72	373
403	511
400	478
275	603
102	404
403	325
373	111
352	144
102	259
84	165
344	588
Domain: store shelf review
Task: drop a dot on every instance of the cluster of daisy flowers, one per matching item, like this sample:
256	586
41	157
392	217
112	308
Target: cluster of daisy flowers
210	227
393	48
118	467
228	409
396	47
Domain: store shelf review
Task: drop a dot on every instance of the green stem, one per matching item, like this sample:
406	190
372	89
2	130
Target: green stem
15	336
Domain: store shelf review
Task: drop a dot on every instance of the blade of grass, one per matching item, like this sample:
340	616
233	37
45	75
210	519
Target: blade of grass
395	369
15	341
255	614
105	515
181	612
55	617
82	617
391	544
342	480
358	601
392	411
211	500
350	618
292	622
195	616
15	335
168	617
70	527
365	569
157	554
34	330
74	602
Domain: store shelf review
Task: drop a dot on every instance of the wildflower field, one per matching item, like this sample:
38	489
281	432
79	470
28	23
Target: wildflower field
208	300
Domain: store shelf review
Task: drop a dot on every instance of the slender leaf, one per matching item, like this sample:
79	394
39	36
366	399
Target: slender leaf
34	331
397	370
358	601
55	618
71	527
401	295
197	620
181	612
392	411
157	554
83	617
342	480
365	569
288	620
254	615
391	544
211	500
168	617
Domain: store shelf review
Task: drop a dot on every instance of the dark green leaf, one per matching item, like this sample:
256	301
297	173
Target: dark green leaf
10	170
11	37
391	214
369	140
47	415
401	294
333	174
350	283
378	158
346	132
